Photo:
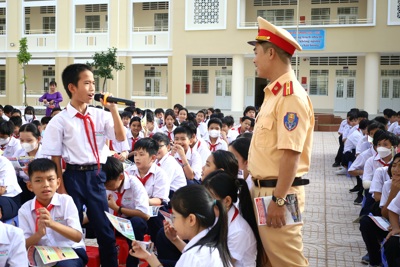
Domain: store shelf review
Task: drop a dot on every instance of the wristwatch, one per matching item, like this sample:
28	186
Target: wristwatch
279	201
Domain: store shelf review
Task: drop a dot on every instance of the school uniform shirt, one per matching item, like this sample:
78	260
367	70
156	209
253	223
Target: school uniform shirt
354	128
220	144
157	186
65	136
242	243
202	130
201	147
12	246
64	211
359	163
155	130
134	195
352	140
131	139
393	126
363	145
8	178
168	133
11	147
371	165
394	205
380	177
177	178
199	255
346	131
396	130
22	153
342	126
194	160
5	117
119	146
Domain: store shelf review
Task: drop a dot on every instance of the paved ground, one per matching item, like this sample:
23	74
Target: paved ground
330	236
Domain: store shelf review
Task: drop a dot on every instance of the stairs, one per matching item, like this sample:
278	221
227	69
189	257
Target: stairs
327	122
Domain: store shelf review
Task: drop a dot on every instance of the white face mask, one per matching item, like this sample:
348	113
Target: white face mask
383	152
28	147
28	117
370	139
4	141
214	133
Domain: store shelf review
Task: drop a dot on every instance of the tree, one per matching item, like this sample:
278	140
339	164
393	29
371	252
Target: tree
23	58
104	63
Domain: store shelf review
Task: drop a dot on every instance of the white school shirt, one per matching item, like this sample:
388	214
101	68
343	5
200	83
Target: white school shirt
11	147
129	137
352	140
371	165
177	178
359	163
396	130
394	205
12	246
354	128
393	126
342	126
165	131
221	144
194	160
363	145
5	117
242	243
64	212
202	130
65	136
22	153
385	193
8	178
199	256
202	148
380	177
346	131
158	184
134	195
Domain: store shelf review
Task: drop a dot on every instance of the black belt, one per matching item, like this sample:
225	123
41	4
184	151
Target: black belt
272	183
76	167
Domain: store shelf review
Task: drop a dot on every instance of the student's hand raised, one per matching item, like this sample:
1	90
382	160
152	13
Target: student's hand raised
111	202
170	231
138	252
108	105
45	218
178	149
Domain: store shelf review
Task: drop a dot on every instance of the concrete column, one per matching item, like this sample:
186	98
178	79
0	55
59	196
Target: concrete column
371	83
237	83
177	84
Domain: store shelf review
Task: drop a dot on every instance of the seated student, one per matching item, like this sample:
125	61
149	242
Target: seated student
213	139
196	143
8	109
29	114
154	179
133	135
51	219
170	124
189	160
250	111
44	121
227	133
151	127
391	116
392	244
159	115
9	191
194	218
12	246
126	117
220	160
8	143
55	111
137	112
380	177
240	148
245	125
201	126
182	115
168	163
176	109
127	198
17	124
119	149
2	115
366	141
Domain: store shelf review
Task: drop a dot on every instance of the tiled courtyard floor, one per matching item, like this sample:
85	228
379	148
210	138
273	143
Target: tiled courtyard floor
330	236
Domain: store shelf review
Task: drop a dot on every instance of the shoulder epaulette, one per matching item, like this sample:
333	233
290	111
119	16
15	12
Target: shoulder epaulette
277	87
288	88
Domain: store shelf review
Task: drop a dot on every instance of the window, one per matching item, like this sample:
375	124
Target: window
27	24
347	15
274	2
49	25
333	1
2	81
320	15
47	10
319	82
92	22
152	85
96	8
277	16
161	22
155	6
2	26
200	81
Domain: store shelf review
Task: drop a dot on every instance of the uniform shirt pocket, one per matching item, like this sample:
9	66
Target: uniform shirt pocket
265	136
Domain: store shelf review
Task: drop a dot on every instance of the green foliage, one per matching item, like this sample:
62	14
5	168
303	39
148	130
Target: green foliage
105	62
24	57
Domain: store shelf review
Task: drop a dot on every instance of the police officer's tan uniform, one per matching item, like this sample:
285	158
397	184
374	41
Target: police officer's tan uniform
285	121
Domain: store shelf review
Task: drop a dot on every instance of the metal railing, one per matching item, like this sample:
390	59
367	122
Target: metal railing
40	31
312	22
150	29
91	30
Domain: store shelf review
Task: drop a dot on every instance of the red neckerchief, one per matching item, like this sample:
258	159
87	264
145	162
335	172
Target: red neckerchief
235	214
86	121
382	162
37	207
144	179
169	135
3	147
119	199
212	147
134	140
198	144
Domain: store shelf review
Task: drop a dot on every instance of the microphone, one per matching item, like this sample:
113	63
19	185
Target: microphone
116	100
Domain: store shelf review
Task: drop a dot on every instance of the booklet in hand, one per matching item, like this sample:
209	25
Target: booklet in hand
44	256
122	225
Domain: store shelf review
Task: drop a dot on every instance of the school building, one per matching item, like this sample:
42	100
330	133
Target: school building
195	52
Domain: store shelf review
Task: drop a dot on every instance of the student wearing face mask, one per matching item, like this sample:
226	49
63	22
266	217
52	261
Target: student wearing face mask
213	139
8	143
31	147
29	114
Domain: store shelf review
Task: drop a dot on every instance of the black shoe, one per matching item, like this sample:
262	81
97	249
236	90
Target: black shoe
358	200
355	189
336	165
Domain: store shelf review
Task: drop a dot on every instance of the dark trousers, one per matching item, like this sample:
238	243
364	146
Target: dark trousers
349	156
372	236
392	248
339	155
139	228
369	201
80	262
9	207
87	188
168	254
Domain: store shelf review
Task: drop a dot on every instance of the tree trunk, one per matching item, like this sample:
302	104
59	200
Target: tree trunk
24	78
104	85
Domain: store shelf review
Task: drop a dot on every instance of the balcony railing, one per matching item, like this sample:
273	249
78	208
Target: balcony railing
40	31
150	29
91	30
311	22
